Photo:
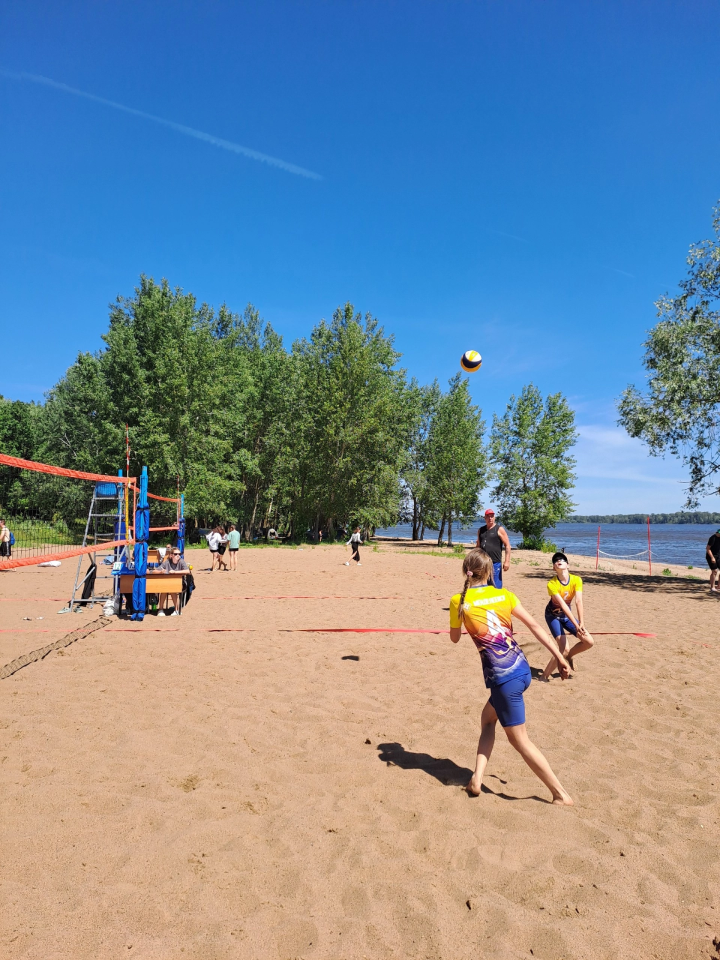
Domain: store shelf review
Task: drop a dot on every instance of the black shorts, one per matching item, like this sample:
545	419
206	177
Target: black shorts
4	549
222	548
234	549
713	564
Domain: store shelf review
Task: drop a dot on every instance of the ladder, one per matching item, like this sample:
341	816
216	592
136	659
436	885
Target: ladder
106	522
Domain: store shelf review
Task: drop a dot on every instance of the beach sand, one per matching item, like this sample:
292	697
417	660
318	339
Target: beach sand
221	786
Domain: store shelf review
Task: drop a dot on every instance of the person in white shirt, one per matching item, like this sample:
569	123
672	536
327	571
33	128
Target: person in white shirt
213	538
355	542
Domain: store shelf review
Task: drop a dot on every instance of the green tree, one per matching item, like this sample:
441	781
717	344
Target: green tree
351	424
19	426
529	449
456	459
679	413
422	403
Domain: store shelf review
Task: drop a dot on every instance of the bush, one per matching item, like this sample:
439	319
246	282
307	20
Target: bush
537	543
459	550
667	572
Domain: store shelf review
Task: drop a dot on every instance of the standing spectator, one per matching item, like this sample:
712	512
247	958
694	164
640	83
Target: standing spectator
712	552
492	538
5	547
233	545
222	547
355	542
213	539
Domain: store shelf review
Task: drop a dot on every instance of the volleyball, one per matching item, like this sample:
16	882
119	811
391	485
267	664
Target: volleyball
471	361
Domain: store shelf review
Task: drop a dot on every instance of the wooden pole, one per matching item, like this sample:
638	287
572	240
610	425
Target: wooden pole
597	549
649	550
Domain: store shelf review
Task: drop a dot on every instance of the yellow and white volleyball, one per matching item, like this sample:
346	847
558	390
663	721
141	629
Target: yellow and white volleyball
471	361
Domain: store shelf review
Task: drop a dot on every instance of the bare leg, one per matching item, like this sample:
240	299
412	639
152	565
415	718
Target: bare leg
553	664
519	738
485	747
586	642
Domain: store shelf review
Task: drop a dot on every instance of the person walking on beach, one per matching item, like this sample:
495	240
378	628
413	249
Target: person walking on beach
562	589
712	552
355	542
487	612
491	538
233	538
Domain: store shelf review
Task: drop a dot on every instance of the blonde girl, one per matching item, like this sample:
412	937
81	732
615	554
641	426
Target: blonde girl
487	613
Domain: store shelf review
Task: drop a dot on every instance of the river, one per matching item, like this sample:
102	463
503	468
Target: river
680	543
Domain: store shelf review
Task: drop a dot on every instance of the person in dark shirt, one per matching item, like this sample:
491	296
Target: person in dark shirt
492	538
712	552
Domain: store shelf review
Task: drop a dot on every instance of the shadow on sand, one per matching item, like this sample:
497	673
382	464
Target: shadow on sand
445	771
674	586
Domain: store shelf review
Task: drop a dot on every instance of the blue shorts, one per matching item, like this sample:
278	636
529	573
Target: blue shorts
507	699
496	578
558	623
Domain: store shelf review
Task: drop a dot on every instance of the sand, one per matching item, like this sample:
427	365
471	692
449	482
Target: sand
169	791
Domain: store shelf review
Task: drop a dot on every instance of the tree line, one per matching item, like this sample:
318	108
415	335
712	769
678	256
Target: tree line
682	516
328	433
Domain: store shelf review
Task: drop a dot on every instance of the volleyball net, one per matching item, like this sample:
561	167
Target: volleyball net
51	513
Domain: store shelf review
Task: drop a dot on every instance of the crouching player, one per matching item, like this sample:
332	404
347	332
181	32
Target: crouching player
563	589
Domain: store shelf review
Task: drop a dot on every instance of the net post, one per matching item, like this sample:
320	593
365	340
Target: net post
597	549
649	551
142	533
181	526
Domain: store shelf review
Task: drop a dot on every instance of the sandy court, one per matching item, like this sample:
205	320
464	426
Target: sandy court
212	786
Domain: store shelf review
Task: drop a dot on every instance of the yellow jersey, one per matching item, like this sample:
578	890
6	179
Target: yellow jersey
487	615
565	590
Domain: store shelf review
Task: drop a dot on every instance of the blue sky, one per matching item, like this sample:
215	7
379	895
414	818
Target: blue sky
519	178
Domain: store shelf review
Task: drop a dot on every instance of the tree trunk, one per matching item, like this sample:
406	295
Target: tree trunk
450	543
415	520
422	531
442	531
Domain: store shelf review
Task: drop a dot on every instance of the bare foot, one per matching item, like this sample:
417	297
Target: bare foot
474	789
543	679
570	661
563	800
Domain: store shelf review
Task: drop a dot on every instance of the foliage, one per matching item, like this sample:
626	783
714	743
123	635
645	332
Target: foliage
679	413
422	406
456	467
698	516
529	449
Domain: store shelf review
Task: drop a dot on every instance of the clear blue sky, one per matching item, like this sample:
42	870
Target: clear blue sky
521	178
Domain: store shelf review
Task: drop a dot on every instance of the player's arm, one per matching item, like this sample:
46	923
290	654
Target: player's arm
559	602
580	609
544	638
502	533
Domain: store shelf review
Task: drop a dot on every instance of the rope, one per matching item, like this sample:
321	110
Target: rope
622	556
10	668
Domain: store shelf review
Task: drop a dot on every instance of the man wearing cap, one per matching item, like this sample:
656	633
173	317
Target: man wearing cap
712	552
492	538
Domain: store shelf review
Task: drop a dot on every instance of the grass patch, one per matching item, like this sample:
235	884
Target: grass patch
667	572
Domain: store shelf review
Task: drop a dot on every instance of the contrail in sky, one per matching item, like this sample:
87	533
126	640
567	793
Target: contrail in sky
178	127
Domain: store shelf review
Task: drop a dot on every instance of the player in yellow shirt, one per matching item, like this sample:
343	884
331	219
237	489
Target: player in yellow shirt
563	589
487	613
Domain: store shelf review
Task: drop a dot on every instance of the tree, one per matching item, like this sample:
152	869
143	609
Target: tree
679	413
351	424
456	459
423	403
529	449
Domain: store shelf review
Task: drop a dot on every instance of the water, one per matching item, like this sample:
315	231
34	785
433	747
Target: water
679	543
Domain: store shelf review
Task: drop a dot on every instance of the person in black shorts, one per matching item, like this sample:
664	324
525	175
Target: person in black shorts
712	552
492	538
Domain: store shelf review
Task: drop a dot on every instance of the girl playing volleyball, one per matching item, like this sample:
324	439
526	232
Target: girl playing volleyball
487	614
